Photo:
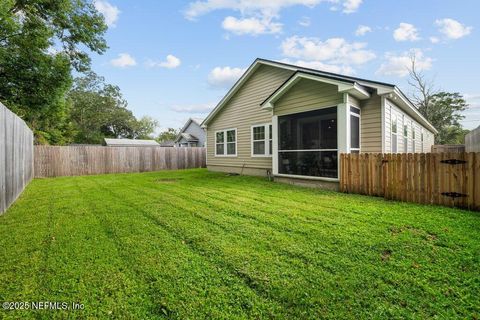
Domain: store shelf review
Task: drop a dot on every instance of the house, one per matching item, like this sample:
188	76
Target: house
472	140
293	122
191	135
130	143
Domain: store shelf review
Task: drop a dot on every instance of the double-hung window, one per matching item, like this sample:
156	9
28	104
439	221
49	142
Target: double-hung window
354	130
226	142
394	132
421	137
405	136
414	141
262	140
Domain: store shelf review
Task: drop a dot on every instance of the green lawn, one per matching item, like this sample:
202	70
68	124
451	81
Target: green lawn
193	244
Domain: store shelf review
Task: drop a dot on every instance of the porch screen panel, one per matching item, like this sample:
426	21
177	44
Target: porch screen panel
307	143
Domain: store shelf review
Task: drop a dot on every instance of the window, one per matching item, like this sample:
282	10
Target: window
405	136
262	140
354	130
394	132
308	143
414	141
421	138
226	143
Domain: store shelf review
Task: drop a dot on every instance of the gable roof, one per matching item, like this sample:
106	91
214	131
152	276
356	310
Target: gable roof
197	121
382	88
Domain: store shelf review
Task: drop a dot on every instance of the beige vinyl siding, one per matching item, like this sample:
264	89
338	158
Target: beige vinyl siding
241	112
390	109
307	95
353	101
371	124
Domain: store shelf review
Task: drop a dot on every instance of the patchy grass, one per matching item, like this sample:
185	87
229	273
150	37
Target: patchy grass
193	244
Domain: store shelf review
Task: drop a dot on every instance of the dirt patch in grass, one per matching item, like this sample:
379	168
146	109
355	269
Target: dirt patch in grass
386	254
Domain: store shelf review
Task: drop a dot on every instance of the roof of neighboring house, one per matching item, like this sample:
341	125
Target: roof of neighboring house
359	85
189	137
130	143
197	121
167	143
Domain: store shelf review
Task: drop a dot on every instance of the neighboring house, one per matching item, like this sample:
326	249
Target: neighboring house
472	141
294	122
130	143
191	135
167	144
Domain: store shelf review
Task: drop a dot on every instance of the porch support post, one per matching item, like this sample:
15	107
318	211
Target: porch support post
343	128
275	144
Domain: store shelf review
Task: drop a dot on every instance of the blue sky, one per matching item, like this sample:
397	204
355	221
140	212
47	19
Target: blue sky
176	59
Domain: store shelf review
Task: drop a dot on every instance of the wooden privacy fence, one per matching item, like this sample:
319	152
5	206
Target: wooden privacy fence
16	157
54	161
450	179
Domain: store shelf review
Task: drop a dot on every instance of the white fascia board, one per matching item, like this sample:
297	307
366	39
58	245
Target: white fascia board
415	111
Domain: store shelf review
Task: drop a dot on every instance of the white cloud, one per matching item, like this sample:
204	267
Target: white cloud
257	16
452	29
171	62
124	60
333	51
305	22
398	65
434	40
109	12
252	26
224	77
350	6
193	108
318	65
362	30
245	7
406	32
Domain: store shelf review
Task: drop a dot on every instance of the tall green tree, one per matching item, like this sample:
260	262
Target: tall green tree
442	109
41	42
98	110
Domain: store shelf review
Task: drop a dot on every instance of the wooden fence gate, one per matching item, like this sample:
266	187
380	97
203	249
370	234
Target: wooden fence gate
450	179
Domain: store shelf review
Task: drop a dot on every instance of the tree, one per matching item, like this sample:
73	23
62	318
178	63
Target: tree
167	135
41	41
441	109
98	110
145	127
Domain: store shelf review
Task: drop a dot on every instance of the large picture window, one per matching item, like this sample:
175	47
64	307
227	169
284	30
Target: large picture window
307	143
262	140
226	142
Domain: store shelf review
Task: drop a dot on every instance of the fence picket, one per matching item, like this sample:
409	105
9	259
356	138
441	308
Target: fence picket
420	178
53	161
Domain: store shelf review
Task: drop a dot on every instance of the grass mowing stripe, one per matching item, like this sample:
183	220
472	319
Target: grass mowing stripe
170	205
270	304
409	260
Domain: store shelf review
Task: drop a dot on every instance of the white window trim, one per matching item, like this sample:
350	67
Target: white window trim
405	137
266	140
359	129
225	143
